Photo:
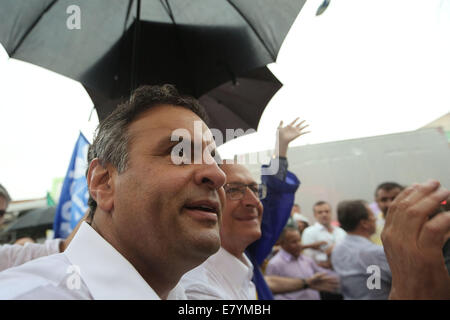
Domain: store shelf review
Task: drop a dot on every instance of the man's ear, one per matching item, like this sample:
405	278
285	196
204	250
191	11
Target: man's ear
364	223
101	186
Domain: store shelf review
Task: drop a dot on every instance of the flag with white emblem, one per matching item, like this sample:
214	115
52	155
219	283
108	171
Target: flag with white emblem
72	203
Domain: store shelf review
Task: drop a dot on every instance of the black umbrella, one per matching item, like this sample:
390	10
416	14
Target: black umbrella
34	224
195	44
34	218
235	104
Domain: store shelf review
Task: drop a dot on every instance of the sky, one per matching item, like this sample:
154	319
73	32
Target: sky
363	68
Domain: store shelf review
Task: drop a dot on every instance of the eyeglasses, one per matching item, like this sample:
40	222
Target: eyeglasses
2	213
236	191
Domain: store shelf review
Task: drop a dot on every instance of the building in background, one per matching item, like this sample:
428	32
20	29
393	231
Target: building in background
443	123
352	169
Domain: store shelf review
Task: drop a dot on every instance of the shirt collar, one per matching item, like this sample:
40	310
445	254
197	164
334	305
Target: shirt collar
286	256
236	270
321	227
357	238
106	273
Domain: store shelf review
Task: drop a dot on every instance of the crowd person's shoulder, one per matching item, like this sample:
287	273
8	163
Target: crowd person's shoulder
42	278
202	284
309	233
15	255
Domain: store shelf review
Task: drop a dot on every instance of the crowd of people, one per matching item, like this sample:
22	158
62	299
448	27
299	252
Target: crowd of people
163	229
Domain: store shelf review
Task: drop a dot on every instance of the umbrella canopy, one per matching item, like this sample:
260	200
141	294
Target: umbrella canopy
240	103
34	218
195	44
234	104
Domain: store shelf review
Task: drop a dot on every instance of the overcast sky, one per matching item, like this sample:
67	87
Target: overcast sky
363	68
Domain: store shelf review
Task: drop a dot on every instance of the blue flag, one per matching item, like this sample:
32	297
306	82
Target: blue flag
72	203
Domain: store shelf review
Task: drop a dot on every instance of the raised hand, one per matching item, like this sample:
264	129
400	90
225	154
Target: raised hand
287	134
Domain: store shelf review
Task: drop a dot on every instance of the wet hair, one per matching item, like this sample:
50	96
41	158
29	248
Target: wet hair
350	213
112	139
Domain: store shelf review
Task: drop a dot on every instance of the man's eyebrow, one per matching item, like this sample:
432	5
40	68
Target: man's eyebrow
167	141
242	183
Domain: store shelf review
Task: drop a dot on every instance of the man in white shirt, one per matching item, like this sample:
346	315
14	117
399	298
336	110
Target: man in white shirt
228	273
154	214
322	230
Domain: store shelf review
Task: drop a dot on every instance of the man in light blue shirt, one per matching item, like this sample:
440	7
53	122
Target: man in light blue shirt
361	264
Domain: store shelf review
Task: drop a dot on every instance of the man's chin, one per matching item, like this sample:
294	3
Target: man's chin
207	243
253	236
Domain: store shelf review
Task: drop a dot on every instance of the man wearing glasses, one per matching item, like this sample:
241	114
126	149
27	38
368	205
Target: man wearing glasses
247	236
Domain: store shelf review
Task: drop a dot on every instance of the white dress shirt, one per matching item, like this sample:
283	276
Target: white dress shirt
223	277
317	232
14	255
90	268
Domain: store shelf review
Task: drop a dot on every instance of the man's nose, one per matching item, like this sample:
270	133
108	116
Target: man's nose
250	199
210	174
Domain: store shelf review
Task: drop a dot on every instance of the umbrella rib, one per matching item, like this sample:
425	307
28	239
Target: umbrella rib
168	10
253	28
32	27
135	51
130	4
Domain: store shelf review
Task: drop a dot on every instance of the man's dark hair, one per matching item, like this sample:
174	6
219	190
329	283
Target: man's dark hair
319	203
286	229
350	213
388	186
111	141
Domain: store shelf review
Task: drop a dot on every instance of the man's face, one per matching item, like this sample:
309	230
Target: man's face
160	207
371	221
322	213
2	208
301	225
384	198
292	243
241	221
